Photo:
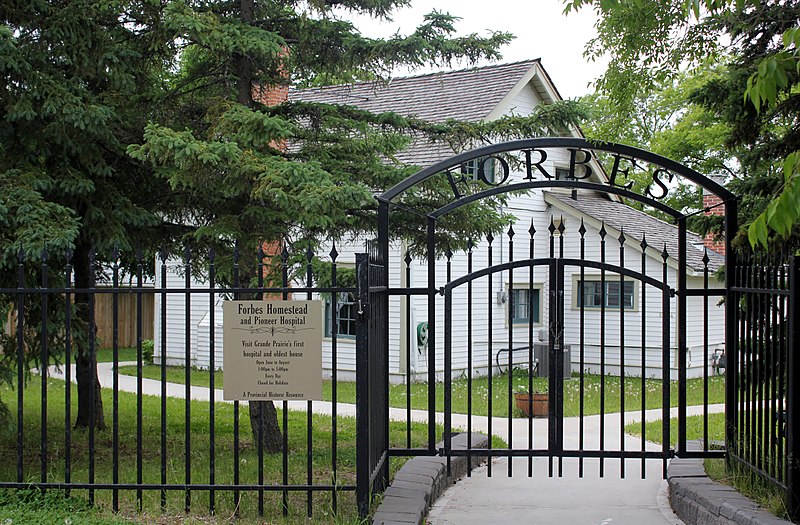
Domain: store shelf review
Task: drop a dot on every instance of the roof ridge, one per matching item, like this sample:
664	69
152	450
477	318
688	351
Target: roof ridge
414	77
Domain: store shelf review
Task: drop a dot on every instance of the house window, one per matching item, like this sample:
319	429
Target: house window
346	316
564	174
590	294
472	169
525	306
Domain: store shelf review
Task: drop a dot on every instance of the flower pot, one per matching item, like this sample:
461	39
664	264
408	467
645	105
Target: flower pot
537	408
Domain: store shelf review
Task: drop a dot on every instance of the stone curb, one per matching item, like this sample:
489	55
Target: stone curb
699	500
421	481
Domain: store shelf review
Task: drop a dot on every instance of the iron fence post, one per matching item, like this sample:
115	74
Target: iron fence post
363	445
793	391
731	331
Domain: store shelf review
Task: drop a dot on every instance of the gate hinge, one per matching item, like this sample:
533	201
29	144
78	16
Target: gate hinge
672	292
441	291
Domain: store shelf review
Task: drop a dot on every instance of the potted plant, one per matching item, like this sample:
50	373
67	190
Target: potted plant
532	404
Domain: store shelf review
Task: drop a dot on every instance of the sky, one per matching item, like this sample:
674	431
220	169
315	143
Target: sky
541	30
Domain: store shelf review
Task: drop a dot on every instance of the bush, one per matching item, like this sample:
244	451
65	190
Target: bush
148	350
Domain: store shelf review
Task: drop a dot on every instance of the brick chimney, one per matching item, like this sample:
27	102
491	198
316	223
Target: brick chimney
271	95
713	206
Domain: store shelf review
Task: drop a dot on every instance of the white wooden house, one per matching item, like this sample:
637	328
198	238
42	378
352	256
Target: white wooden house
485	94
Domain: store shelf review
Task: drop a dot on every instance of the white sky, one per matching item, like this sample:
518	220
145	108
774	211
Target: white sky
541	28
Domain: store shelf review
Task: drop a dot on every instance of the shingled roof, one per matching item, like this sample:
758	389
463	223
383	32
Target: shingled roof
636	224
467	94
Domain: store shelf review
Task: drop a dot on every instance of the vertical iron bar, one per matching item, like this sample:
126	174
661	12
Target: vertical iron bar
115	388
236	407
643	383
581	297
560	355
309	406
622	352
774	361
469	360
93	358
782	365
163	256
448	365
21	364
603	301
43	371
531	366
666	375
334	377
793	416
187	387
68	377
431	254
285	412
511	313
261	422
409	347
212	372
489	353
139	371
682	350
705	349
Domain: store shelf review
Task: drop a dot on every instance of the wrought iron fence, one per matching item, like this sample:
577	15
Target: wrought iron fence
163	445
764	417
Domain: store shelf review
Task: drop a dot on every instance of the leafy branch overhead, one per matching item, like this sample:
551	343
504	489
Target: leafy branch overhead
651	42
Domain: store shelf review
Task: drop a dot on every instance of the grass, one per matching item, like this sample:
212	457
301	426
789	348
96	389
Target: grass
766	495
480	391
15	503
33	507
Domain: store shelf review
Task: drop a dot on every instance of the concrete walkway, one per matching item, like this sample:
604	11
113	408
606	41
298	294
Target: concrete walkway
520	499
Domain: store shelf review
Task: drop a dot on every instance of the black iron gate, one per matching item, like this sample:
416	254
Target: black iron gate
609	335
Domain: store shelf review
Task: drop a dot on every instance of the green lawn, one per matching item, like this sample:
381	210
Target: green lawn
764	494
322	470
480	391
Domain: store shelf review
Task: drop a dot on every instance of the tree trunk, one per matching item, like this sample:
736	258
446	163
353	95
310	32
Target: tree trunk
263	416
89	399
264	421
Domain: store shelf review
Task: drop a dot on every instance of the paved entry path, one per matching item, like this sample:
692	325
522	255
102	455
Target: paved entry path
503	500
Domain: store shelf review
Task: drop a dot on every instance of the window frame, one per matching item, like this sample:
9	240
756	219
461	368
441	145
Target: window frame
471	169
525	287
329	320
612	278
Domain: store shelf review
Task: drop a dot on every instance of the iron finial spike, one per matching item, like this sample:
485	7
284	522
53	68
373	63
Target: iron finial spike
561	226
582	228
489	237
603	231
236	252
665	253
552	226
309	254
211	254
532	229
705	257
510	231
643	244
21	255
622	238
407	258
334	254
448	253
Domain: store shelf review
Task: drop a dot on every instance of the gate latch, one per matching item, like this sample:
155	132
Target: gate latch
363	309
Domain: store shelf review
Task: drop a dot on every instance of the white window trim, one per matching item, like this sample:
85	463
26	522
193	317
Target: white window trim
610	277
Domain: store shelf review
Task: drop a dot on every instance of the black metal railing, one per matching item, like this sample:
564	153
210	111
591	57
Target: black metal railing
164	448
766	414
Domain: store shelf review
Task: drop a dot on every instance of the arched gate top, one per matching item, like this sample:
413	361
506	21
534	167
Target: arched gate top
626	160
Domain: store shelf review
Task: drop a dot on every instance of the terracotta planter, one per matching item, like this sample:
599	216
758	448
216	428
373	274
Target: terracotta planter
539	405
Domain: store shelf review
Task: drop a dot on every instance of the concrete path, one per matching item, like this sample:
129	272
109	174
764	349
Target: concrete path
520	499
